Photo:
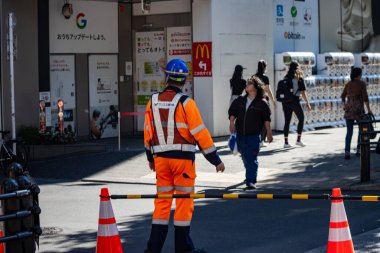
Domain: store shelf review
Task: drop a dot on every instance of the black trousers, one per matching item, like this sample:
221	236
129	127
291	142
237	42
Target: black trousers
288	109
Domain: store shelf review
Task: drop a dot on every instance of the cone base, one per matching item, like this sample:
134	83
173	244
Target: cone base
108	244
340	247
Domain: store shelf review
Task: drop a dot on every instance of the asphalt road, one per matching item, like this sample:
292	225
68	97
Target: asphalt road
70	213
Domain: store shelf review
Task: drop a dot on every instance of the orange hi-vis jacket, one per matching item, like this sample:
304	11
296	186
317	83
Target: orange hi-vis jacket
173	127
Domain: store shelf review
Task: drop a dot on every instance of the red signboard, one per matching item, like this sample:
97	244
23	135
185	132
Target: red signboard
202	59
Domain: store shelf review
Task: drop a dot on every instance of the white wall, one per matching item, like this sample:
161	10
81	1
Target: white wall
241	33
203	86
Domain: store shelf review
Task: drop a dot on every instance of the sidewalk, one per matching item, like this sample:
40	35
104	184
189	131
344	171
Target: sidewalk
318	166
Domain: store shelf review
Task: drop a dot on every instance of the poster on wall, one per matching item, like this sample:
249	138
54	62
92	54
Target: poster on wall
179	46
356	30
296	26
62	87
103	89
150	51
92	27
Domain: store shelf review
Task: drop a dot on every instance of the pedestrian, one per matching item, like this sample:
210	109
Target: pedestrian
95	131
237	83
298	89
260	73
248	115
173	126
354	97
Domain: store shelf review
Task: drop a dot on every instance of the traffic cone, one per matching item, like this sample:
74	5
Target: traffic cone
340	240
108	240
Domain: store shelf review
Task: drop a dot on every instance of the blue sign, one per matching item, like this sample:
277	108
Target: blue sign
280	10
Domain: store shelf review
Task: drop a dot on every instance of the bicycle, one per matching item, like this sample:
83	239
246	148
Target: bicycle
8	156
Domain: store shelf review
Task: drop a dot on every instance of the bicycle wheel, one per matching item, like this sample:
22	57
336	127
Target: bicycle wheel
22	154
6	158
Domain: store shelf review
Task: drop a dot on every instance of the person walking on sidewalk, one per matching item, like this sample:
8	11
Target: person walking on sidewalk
248	115
237	83
173	126
260	73
299	89
354	97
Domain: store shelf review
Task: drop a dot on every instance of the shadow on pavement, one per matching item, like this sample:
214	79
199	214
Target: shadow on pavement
75	168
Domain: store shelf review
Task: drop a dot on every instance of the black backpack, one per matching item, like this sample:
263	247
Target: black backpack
284	92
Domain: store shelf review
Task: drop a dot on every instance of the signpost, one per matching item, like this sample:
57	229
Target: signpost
202	59
11	48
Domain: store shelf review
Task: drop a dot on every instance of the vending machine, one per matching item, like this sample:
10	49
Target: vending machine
333	73
370	64
306	60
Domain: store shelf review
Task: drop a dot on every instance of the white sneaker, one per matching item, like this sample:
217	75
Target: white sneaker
287	145
300	143
262	144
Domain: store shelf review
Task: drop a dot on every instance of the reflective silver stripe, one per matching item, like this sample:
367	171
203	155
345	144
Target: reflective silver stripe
182	125
174	147
170	129
182	223
338	213
188	147
157	120
197	129
185	102
105	210
339	234
165	188
184	188
107	230
209	150
160	221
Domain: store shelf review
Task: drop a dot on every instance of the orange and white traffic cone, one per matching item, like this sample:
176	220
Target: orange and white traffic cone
340	240
108	240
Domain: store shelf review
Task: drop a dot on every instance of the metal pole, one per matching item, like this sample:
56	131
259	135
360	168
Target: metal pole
118	126
364	153
11	75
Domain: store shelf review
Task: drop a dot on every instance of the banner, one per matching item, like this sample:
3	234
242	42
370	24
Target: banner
104	95
179	47
150	51
356	30
62	87
202	59
92	28
296	26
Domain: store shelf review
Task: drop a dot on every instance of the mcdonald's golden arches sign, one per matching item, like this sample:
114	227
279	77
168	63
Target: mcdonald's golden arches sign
202	59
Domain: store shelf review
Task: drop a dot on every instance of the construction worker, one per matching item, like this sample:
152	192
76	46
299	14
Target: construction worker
173	126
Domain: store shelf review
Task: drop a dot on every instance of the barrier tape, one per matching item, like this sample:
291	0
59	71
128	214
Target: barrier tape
244	196
131	113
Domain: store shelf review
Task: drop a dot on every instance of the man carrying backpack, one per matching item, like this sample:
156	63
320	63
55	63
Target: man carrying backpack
288	93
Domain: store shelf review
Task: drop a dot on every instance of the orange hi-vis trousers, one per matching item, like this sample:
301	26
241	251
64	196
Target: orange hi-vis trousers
174	176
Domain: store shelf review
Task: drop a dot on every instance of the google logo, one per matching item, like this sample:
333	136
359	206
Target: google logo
81	22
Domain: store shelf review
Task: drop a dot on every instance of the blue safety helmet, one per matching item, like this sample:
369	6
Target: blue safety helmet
176	70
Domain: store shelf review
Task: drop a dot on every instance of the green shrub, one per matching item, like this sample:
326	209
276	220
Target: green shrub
30	135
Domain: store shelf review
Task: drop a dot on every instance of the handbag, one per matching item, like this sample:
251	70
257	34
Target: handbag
232	144
370	117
